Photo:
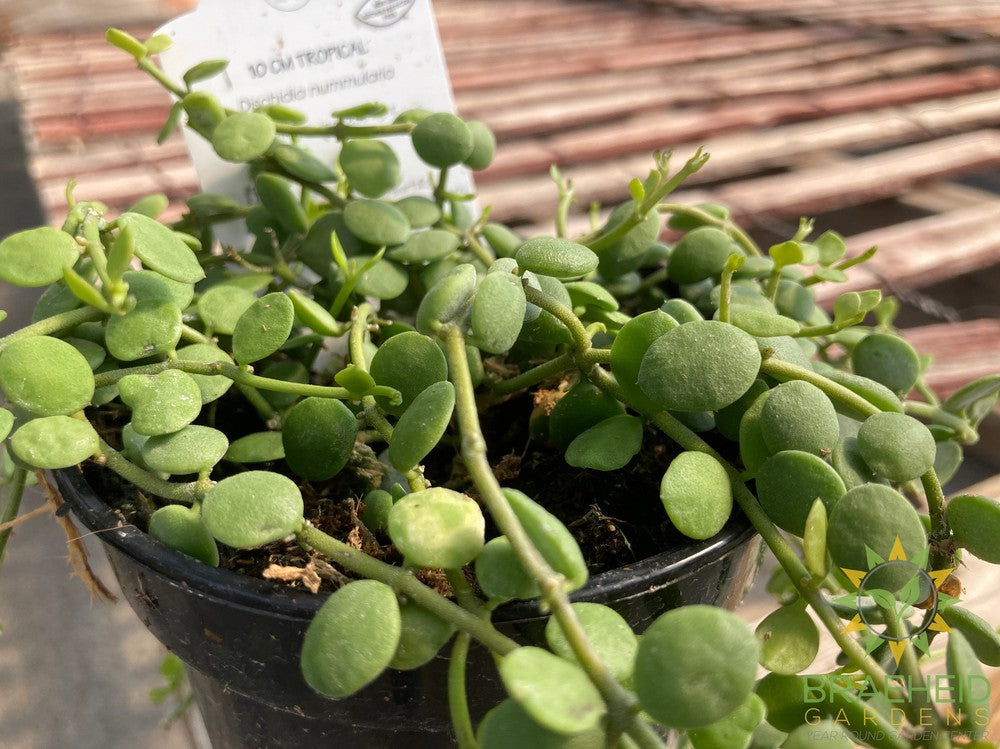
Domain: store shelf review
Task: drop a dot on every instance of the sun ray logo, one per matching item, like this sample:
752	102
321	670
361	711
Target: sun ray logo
897	600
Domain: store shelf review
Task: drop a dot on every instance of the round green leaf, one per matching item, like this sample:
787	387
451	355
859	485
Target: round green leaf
279	197
684	222
425	246
181	529
446	299
371	166
375	514
151	328
609	633
6	423
37	257
318	437
497	313
508	726
583	406
161	403
588	294
384	280
421	212
700	254
559	258
46	376
826	734
699	366
437	528
243	136
697	495
422	425
263	328
975	523
252	509
422	635
376	222
798	416
681	310
314	315
848	463
54	442
300	163
887	359
753	449
607	446
629	348
789	640
148	285
872	516
259	447
212	387
896	446
161	249
556	693
552	539
484	145
695	666
735	730
788	483
501	239
193	449
500	574
220	307
409	362
974	701
628	253
727	420
761	323
442	140
981	635
352	639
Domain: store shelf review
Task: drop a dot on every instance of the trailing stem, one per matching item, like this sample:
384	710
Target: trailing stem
621	703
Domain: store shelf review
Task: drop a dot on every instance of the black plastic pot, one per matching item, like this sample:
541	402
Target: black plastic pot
241	636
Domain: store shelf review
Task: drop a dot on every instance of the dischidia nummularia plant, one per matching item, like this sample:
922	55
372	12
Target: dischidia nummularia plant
372	353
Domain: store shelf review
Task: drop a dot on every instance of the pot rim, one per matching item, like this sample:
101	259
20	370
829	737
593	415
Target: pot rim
618	584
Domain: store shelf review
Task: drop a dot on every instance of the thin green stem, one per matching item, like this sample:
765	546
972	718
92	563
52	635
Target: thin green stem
234	373
162	78
784	371
942	555
918	701
340	131
937	415
187	493
790	562
371	411
405	583
535	375
562	313
54	324
260	404
190	334
458	703
737	233
15	493
649	202
621	703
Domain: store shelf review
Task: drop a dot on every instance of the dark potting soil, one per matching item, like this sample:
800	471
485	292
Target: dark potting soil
616	516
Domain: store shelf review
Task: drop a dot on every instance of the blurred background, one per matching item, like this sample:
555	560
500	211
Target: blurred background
878	119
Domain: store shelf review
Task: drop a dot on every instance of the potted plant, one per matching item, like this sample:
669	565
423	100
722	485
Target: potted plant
398	401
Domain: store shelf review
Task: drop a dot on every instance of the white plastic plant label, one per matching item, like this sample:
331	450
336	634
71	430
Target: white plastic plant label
316	56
